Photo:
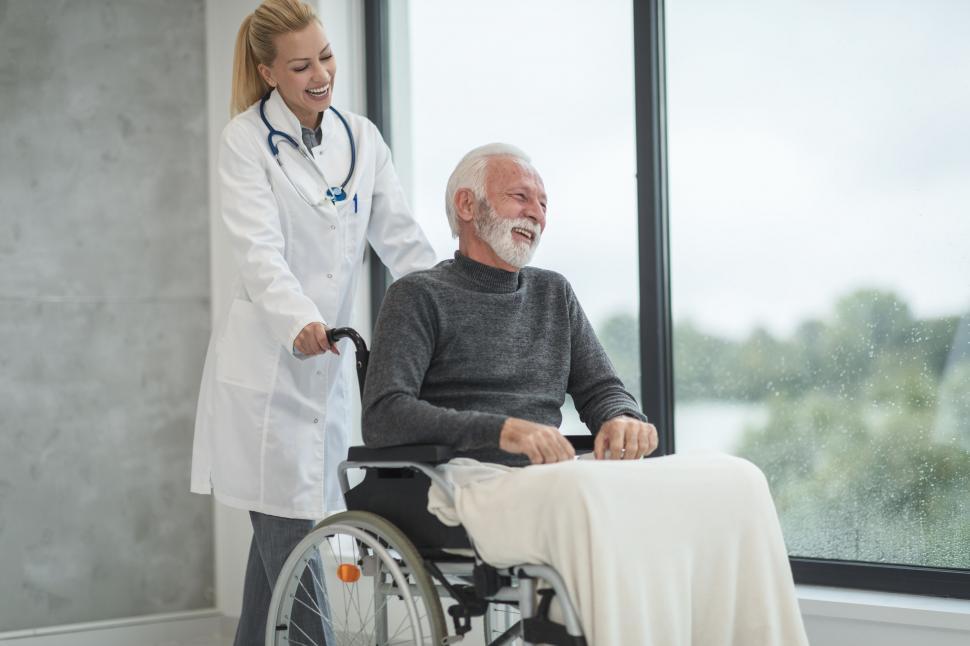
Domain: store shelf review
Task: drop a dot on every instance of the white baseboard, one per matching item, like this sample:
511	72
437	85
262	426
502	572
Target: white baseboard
843	617
194	628
833	617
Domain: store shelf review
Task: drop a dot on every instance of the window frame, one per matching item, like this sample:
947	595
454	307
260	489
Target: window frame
655	325
377	65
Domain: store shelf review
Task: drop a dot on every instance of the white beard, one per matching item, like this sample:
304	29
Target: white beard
496	231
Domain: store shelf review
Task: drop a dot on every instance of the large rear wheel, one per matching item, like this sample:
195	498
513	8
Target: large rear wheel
355	580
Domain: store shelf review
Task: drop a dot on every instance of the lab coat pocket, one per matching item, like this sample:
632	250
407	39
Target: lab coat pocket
247	356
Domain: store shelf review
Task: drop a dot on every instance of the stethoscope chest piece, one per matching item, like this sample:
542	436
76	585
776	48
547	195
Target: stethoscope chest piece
336	193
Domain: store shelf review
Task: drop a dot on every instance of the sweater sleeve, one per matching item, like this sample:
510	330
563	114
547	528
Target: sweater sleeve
596	390
403	348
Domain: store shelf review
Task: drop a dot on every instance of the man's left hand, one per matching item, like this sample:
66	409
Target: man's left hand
626	438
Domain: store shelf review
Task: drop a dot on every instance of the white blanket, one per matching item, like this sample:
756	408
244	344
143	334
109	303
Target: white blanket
671	551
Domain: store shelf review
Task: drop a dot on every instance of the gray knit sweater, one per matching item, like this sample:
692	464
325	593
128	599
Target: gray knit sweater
461	347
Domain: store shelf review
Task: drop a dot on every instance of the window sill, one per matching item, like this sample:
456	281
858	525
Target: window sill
884	607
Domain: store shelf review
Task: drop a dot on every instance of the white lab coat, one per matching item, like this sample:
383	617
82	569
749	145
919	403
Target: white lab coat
271	428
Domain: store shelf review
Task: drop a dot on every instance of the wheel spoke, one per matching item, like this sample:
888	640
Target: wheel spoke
298	643
361	633
355	602
297	626
339	559
361	614
311	596
315	611
313	575
397	631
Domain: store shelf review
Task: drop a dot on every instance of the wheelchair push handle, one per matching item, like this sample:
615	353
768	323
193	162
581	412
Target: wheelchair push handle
360	349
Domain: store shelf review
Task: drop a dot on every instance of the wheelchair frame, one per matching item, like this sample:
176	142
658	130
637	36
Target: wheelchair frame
472	583
516	585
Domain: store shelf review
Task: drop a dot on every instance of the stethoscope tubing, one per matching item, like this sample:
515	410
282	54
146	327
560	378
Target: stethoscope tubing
335	193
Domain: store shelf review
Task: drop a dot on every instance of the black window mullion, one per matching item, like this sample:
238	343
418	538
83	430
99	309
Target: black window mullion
656	364
377	64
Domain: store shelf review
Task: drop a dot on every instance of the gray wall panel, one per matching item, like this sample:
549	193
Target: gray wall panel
104	309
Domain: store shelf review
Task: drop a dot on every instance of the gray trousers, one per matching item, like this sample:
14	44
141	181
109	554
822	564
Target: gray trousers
273	540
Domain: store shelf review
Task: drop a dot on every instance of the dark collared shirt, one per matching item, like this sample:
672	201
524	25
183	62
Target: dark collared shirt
311	137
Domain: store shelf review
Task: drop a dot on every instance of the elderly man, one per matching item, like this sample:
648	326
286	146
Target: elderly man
486	349
479	352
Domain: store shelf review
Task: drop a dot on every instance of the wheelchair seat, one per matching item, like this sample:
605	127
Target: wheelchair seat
395	487
401	495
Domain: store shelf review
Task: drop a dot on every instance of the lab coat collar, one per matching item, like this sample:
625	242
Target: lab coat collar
283	119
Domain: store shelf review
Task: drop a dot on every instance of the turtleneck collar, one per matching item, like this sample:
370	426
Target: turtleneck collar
491	279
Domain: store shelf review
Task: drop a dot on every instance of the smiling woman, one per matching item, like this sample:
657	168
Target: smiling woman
303	72
272	421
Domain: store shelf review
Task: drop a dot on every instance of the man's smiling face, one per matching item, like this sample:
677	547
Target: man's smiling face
513	216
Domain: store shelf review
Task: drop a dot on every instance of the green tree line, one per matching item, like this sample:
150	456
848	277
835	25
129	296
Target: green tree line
870	345
865	442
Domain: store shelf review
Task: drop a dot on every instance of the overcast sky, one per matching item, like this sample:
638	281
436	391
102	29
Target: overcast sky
814	147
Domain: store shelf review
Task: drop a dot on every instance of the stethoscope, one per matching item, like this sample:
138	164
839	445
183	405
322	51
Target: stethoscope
334	193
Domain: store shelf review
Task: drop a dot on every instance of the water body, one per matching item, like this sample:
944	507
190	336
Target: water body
714	425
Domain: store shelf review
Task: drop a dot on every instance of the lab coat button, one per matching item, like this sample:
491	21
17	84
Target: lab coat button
316	419
329	275
333	226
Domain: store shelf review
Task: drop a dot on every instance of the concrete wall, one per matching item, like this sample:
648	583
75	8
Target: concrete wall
104	309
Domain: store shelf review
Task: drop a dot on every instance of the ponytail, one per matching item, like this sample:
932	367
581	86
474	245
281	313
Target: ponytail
255	44
247	83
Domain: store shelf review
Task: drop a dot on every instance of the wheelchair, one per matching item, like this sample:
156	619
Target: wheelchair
376	574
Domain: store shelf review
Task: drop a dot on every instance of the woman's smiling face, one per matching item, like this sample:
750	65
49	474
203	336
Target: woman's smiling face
303	72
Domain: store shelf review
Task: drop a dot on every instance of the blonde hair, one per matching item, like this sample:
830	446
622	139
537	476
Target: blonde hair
255	44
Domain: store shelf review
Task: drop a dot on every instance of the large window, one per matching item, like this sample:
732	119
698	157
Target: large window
541	76
798	226
819	156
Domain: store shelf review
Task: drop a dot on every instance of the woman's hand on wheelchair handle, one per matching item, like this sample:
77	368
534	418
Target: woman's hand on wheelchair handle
626	438
542	444
312	340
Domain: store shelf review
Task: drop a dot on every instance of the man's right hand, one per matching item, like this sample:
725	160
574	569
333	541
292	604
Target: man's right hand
542	444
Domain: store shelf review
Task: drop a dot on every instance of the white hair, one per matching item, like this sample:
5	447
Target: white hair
470	174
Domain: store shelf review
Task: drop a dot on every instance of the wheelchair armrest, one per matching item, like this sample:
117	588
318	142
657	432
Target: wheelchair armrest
426	453
434	453
581	443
